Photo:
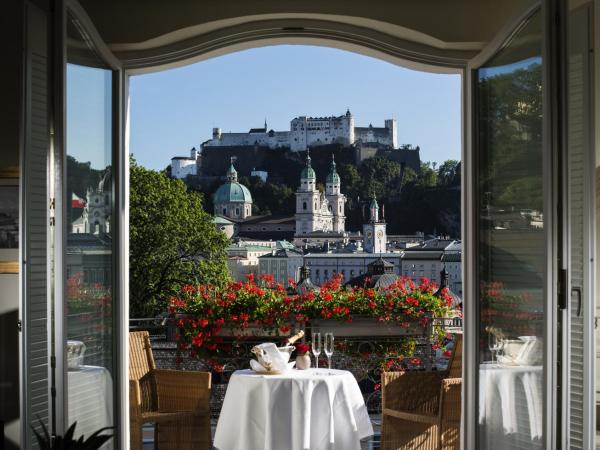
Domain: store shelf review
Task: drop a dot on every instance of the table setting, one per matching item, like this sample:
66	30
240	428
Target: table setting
282	403
510	390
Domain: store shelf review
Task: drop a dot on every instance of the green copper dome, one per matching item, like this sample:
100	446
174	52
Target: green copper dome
231	193
332	176
308	171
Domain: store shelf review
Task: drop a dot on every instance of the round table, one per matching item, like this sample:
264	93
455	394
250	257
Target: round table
299	410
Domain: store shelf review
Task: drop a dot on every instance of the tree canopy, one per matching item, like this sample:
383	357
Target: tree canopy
173	241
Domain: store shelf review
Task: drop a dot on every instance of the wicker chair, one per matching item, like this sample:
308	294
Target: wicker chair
177	402
421	410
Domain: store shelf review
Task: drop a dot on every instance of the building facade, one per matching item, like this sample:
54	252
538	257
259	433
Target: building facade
284	264
430	258
182	166
97	211
324	266
317	211
310	131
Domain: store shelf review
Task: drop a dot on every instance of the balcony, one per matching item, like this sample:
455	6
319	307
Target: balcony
364	347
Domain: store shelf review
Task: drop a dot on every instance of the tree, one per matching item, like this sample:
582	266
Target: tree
173	241
428	175
448	172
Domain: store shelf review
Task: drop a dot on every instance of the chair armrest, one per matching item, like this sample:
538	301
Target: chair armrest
411	392
450	400
135	400
182	390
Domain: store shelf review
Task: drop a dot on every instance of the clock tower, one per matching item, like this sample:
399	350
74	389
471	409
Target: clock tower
375	236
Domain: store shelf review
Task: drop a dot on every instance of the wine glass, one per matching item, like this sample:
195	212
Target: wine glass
316	347
493	345
329	347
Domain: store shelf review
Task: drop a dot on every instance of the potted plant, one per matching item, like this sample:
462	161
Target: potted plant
68	442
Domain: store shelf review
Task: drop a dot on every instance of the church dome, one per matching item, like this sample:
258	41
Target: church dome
332	176
232	192
308	172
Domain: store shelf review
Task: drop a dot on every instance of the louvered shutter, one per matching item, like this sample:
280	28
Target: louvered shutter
35	229
578	331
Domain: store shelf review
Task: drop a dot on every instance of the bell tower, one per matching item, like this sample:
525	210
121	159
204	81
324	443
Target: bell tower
308	202
375	236
337	200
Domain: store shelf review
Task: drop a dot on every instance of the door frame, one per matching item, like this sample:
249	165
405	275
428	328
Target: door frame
469	426
63	8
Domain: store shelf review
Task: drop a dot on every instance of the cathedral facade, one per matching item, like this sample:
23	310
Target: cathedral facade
317	211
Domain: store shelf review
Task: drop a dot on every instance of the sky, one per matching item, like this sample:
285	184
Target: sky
175	110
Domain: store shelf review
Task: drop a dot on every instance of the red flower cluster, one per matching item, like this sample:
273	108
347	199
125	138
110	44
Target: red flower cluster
203	312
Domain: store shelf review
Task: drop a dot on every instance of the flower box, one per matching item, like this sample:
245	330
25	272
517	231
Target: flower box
364	326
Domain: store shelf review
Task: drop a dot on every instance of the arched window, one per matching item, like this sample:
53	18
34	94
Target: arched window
340	208
224	211
237	211
304	206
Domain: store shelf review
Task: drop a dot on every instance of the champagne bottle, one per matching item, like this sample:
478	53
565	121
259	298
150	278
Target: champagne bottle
294	338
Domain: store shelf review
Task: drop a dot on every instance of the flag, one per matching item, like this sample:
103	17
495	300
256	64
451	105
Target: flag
77	202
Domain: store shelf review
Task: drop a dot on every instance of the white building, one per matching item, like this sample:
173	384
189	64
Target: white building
310	131
452	260
284	264
428	259
242	259
97	213
324	266
262	174
182	166
316	211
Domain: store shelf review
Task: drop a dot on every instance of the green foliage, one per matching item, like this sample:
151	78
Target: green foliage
67	442
448	173
270	198
511	138
173	241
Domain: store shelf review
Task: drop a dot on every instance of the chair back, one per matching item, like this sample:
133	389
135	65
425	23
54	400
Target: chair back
455	363
141	360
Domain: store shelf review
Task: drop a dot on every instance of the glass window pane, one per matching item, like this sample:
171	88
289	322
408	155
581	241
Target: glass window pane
89	254
511	243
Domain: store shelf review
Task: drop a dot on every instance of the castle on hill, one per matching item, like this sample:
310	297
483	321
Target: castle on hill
305	132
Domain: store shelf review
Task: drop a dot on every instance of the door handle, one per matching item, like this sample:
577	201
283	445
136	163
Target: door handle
577	290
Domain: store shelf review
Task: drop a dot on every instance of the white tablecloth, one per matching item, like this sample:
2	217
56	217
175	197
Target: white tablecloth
510	403
90	400
303	409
